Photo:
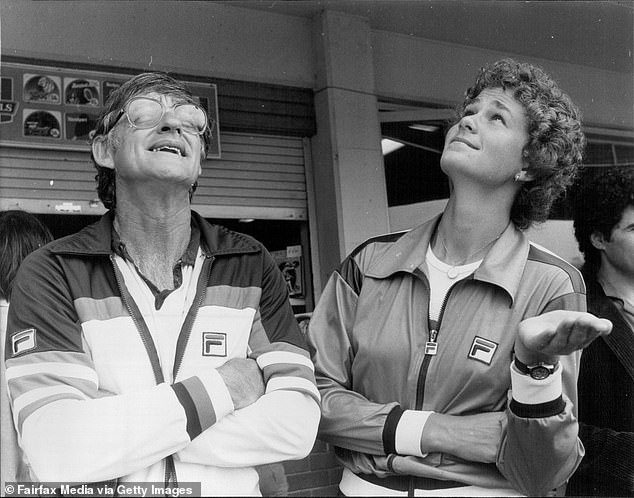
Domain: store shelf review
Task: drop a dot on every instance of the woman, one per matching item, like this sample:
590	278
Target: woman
437	351
20	234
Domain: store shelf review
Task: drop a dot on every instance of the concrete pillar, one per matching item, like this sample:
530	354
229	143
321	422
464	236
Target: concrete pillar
349	180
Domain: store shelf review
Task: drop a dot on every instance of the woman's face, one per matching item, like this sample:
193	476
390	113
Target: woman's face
486	145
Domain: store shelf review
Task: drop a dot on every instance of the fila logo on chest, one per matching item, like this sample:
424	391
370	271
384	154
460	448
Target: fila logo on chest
23	341
214	344
482	350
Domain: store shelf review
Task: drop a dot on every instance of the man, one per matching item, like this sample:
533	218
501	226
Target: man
604	227
153	346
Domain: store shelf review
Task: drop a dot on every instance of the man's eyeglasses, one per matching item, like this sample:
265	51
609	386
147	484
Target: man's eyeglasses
145	112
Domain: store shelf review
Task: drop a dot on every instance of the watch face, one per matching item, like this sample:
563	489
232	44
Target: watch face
539	373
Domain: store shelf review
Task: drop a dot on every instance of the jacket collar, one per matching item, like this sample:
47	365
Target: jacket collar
96	239
502	266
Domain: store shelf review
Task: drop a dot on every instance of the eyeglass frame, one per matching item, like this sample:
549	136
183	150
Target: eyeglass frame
164	109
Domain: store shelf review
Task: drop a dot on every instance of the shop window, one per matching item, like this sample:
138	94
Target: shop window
288	244
598	155
624	154
411	157
412	150
62	225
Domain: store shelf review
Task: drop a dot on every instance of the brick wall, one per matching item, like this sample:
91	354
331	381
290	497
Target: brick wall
316	475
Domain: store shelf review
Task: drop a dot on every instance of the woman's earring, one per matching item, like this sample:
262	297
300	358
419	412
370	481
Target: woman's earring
518	176
192	189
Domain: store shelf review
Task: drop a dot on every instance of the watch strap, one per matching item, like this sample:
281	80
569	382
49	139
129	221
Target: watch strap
544	368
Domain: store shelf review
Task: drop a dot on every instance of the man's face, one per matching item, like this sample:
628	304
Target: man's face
618	252
165	152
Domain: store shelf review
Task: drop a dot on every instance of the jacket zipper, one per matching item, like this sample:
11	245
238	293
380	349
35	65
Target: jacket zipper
186	330
141	327
150	348
183	338
431	347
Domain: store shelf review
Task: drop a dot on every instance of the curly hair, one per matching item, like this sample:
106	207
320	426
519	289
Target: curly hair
142	83
20	234
556	143
598	199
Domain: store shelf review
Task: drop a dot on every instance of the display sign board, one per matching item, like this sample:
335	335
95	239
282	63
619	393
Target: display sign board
49	107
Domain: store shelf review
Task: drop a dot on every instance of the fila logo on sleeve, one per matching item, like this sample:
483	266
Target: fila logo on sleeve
482	350
23	341
214	344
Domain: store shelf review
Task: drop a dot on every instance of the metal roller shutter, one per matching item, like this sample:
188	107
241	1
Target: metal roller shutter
258	176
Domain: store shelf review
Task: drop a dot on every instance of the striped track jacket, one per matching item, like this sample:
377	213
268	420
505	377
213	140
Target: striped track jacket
89	398
368	335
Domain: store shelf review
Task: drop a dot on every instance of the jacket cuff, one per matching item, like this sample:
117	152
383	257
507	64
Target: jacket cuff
536	398
409	432
389	430
205	399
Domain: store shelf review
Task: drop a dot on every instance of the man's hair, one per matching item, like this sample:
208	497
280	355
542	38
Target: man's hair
20	234
599	198
143	83
555	144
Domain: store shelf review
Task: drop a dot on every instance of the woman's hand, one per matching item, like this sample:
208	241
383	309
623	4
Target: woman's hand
546	337
475	438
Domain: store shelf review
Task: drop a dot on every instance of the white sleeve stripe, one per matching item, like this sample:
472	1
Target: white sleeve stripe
292	384
71	357
55	369
29	410
44	392
275	357
25	384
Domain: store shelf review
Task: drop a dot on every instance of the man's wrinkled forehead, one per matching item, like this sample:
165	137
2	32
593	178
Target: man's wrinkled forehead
156	92
159	86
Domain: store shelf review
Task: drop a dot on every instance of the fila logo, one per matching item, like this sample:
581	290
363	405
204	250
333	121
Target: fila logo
482	350
23	341
214	344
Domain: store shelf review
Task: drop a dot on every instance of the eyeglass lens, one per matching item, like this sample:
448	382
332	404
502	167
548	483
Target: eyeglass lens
146	113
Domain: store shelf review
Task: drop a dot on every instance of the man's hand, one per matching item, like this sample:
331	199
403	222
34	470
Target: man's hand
243	378
475	438
545	337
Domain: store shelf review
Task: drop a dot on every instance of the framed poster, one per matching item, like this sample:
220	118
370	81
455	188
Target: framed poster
289	261
47	107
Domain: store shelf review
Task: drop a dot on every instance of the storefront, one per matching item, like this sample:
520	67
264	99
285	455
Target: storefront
253	180
303	104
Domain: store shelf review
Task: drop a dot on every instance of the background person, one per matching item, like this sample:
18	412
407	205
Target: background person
153	346
20	234
604	226
446	356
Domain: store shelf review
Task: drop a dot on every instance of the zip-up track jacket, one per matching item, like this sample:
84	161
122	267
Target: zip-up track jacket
368	336
88	395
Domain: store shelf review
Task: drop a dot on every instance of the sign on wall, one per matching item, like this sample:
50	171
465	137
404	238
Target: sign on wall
49	107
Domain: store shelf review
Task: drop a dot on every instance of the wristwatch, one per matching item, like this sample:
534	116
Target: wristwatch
537	371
